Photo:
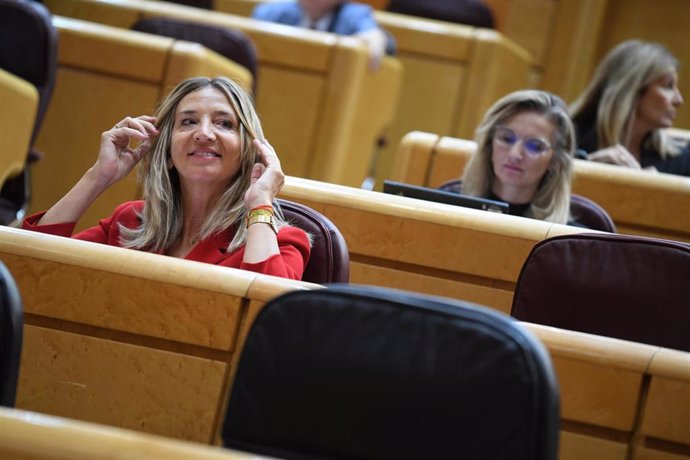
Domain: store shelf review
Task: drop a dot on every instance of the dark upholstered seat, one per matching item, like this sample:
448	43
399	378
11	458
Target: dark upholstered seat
233	44
590	214
28	49
329	261
583	210
628	287
11	325
366	372
470	12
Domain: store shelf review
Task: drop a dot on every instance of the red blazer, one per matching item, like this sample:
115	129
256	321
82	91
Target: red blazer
290	263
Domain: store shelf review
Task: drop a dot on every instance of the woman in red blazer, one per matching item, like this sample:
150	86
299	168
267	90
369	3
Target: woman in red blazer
210	180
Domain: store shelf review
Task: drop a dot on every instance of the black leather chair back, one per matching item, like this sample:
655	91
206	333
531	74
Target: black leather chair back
11	325
470	12
233	44
28	49
590	214
365	372
623	286
329	261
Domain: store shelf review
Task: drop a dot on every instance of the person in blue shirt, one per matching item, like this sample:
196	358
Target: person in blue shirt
335	16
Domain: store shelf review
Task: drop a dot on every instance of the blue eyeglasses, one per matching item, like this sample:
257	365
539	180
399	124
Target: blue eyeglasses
532	145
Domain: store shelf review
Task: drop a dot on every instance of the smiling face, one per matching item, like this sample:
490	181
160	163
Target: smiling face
657	105
205	142
517	171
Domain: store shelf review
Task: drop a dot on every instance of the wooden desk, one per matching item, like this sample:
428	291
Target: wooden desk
130	339
427	247
28	435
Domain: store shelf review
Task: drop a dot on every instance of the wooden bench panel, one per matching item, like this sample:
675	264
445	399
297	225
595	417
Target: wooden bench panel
315	89
666	420
17	124
440	249
129	338
104	74
28	435
639	202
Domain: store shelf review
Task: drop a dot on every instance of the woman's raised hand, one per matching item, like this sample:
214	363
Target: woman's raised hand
123	146
267	177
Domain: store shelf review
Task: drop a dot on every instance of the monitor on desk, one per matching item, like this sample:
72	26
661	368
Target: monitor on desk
442	196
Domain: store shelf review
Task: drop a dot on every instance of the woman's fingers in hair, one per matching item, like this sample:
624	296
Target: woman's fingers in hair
144	124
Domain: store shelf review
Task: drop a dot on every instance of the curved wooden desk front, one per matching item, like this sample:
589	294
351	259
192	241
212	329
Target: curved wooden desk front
427	247
28	435
127	338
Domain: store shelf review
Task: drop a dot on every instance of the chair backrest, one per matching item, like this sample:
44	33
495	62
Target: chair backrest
622	286
365	372
583	210
11	325
590	214
470	12
231	43
28	48
329	261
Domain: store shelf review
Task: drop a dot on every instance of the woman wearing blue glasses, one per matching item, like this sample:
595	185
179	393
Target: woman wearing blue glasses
525	146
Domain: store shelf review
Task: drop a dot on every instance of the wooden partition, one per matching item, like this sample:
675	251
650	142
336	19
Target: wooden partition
150	343
104	74
639	202
427	247
127	338
619	400
321	107
452	74
20	102
26	435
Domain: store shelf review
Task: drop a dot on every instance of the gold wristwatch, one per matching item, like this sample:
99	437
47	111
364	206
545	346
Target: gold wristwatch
262	218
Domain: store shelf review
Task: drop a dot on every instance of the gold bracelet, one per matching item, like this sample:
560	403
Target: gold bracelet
263	219
259	212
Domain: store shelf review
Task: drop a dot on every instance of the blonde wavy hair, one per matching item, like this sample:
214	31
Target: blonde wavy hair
551	201
610	99
161	217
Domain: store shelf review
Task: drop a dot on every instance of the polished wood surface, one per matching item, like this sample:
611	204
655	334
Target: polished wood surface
104	74
151	343
619	399
639	202
26	435
20	101
320	105
127	338
427	247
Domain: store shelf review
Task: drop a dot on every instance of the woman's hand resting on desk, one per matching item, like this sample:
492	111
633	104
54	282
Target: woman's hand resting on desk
123	146
615	155
267	177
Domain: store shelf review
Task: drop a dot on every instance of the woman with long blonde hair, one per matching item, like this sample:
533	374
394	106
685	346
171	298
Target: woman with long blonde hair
210	180
525	146
620	117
